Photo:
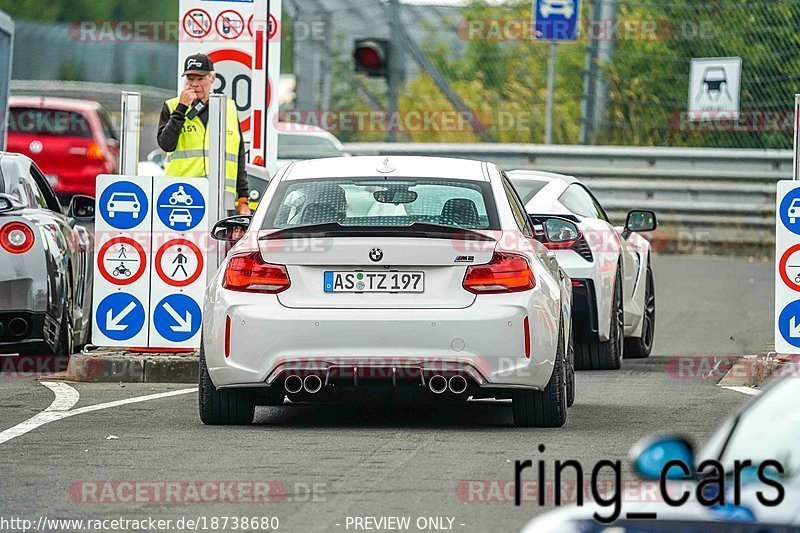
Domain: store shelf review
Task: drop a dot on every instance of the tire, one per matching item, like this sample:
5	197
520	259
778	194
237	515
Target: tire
547	408
606	355
571	371
223	407
640	347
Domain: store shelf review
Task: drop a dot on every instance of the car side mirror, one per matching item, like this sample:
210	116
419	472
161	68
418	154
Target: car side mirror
649	457
231	229
641	221
554	232
81	208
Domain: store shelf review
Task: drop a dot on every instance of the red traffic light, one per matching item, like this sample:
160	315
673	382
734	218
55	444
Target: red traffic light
372	56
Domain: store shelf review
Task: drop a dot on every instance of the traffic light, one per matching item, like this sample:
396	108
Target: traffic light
372	57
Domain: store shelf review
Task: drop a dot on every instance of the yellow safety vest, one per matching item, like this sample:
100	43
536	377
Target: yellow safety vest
190	158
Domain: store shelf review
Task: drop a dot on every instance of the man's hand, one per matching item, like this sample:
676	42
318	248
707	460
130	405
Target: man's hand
188	96
243	208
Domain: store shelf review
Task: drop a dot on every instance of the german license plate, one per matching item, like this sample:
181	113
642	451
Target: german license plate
338	281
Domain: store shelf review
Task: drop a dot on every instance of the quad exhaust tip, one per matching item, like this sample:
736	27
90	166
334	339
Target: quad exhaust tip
457	384
293	384
312	384
437	384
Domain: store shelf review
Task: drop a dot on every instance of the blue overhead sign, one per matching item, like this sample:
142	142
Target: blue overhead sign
556	20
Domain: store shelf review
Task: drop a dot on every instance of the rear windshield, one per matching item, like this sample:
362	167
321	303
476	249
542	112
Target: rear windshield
528	188
51	122
382	203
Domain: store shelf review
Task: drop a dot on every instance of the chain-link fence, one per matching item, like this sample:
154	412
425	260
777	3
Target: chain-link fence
624	82
470	70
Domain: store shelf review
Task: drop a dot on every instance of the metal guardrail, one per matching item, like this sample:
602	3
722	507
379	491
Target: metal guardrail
705	197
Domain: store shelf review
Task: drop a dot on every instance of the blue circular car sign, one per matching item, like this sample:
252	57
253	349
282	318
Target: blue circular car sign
123	205
177	318
790	211
120	316
181	206
789	323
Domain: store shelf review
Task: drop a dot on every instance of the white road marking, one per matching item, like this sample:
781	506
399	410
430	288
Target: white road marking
745	390
65	399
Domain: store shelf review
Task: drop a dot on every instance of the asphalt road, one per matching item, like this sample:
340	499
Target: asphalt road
372	460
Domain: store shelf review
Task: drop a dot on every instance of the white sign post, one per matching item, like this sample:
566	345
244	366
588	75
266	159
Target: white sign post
151	262
129	133
796	173
121	293
266	81
787	261
234	34
714	88
179	261
787	255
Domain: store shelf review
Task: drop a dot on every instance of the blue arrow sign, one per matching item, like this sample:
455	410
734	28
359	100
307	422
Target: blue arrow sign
177	318
556	20
123	205
789	323
181	206
120	316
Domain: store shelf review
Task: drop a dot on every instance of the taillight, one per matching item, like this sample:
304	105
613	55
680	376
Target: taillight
93	151
16	237
506	272
249	273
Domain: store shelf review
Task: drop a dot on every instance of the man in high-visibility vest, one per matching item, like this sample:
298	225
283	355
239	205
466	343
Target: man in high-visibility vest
182	134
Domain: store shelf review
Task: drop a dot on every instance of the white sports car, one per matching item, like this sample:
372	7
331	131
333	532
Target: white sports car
614	301
373	275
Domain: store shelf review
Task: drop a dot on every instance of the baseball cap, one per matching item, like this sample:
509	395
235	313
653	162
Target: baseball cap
198	64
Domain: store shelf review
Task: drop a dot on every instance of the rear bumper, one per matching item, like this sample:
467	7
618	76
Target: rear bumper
27	333
484	341
584	311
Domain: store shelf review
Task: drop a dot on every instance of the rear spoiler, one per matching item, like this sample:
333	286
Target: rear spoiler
9	203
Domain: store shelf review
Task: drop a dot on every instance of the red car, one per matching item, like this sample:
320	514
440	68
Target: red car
72	141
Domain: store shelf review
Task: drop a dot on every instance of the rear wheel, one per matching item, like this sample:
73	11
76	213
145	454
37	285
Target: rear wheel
547	408
223	407
640	347
596	355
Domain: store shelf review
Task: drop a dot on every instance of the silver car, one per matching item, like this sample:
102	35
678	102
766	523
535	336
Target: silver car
45	263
